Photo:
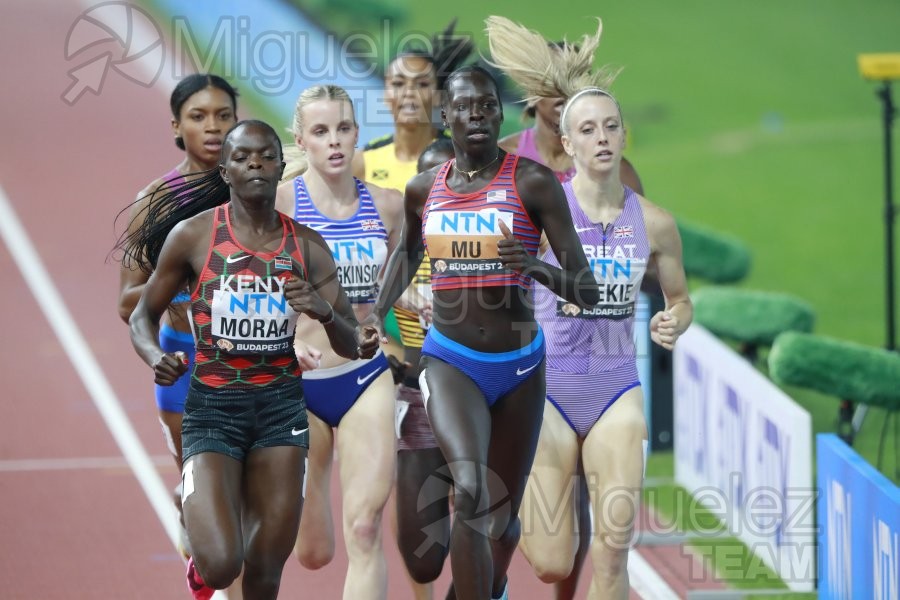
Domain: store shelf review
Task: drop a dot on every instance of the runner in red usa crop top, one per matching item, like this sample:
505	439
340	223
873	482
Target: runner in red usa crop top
461	231
482	381
242	321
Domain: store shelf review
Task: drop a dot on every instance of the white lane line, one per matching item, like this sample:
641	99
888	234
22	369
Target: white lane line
143	37
24	465
79	352
644	579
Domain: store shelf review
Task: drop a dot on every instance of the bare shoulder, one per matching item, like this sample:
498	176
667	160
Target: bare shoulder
157	185
533	176
387	197
188	240
510	143
420	185
144	197
284	198
660	223
194	227
389	204
147	193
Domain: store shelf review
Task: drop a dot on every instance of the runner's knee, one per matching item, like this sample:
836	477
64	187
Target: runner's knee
315	557
506	529
610	559
217	567
365	534
552	567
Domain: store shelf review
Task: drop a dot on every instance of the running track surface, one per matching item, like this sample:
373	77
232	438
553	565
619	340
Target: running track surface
76	523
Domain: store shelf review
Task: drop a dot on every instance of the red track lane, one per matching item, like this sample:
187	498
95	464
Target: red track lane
90	532
86	532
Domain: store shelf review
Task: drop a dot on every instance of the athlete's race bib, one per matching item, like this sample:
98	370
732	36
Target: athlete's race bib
462	243
359	262
250	315
618	273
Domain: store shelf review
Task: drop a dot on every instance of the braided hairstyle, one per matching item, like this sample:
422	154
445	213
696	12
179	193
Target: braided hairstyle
448	52
169	204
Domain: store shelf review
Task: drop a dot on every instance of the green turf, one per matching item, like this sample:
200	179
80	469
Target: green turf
729	558
660	465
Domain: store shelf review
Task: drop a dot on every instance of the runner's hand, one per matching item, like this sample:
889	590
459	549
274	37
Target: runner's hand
308	356
304	299
170	367
664	329
368	340
512	252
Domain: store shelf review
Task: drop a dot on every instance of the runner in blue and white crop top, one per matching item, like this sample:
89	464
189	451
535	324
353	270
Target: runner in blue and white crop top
359	246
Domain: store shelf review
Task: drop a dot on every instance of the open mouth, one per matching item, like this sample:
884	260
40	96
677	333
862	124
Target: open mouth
214	145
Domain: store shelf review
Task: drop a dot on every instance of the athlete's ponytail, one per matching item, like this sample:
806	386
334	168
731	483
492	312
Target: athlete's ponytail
295	161
545	70
449	51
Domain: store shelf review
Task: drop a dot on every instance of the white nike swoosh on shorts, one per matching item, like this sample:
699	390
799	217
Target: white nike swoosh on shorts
299	431
232	259
523	371
362	380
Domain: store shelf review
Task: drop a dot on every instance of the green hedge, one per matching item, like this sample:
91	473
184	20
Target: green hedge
750	316
838	368
712	256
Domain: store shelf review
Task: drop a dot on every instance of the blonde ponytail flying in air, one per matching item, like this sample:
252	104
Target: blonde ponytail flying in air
546	70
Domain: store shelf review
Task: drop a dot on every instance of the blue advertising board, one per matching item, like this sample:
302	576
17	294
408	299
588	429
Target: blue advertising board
859	525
